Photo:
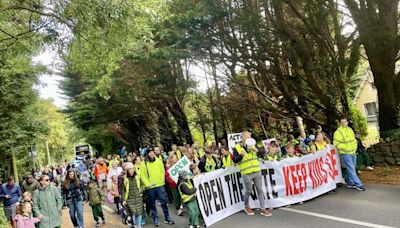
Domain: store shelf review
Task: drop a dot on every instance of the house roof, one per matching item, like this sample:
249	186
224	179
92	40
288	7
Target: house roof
362	84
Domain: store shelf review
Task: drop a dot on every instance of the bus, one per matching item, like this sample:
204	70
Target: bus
83	152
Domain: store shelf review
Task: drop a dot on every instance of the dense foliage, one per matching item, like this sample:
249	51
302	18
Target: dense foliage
131	69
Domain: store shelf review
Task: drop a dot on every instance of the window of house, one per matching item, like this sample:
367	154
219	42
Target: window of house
370	109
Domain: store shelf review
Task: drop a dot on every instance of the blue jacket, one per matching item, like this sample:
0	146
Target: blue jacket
14	192
123	152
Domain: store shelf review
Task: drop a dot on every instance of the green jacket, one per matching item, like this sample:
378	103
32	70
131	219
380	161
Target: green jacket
131	193
152	174
47	202
96	196
30	187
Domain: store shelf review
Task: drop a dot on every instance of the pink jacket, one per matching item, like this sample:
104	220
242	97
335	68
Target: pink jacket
26	222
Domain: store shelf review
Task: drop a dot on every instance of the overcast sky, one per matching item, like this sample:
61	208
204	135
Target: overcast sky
49	83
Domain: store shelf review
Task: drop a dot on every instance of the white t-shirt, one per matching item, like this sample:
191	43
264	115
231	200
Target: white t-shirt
113	172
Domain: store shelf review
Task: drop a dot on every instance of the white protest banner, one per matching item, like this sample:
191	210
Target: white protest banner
233	139
182	164
221	193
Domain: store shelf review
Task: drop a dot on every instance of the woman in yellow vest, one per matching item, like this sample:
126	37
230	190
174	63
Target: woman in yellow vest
226	157
319	143
188	196
132	195
209	162
273	151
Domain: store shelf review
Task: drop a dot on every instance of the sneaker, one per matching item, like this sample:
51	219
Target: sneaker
170	222
370	168
248	211
350	186
361	188
265	212
180	212
97	224
156	222
181	207
104	222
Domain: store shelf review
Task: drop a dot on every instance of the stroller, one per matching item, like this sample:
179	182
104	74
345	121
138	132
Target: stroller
126	217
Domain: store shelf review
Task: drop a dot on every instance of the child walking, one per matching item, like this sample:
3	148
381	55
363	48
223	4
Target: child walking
96	197
188	196
27	197
132	195
24	217
115	191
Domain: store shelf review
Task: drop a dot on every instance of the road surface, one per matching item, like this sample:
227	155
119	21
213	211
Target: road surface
377	207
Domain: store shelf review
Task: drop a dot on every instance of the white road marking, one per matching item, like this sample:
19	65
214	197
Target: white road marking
107	208
360	223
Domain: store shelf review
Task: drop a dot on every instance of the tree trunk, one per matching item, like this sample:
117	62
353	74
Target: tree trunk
388	111
221	114
167	135
377	24
213	113
14	165
181	120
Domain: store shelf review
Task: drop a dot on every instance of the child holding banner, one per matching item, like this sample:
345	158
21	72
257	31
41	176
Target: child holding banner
273	152
290	151
188	195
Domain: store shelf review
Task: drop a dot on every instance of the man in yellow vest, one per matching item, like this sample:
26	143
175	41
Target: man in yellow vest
246	158
152	174
346	143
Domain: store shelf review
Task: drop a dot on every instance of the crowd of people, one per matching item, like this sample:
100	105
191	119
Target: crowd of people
139	181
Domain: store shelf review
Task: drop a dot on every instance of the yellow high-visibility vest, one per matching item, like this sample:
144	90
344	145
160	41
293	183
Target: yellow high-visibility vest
186	198
227	161
249	164
200	152
345	140
272	157
210	164
320	146
178	154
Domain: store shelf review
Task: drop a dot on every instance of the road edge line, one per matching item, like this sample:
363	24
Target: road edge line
351	221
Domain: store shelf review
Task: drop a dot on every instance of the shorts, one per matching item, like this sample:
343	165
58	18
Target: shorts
10	212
